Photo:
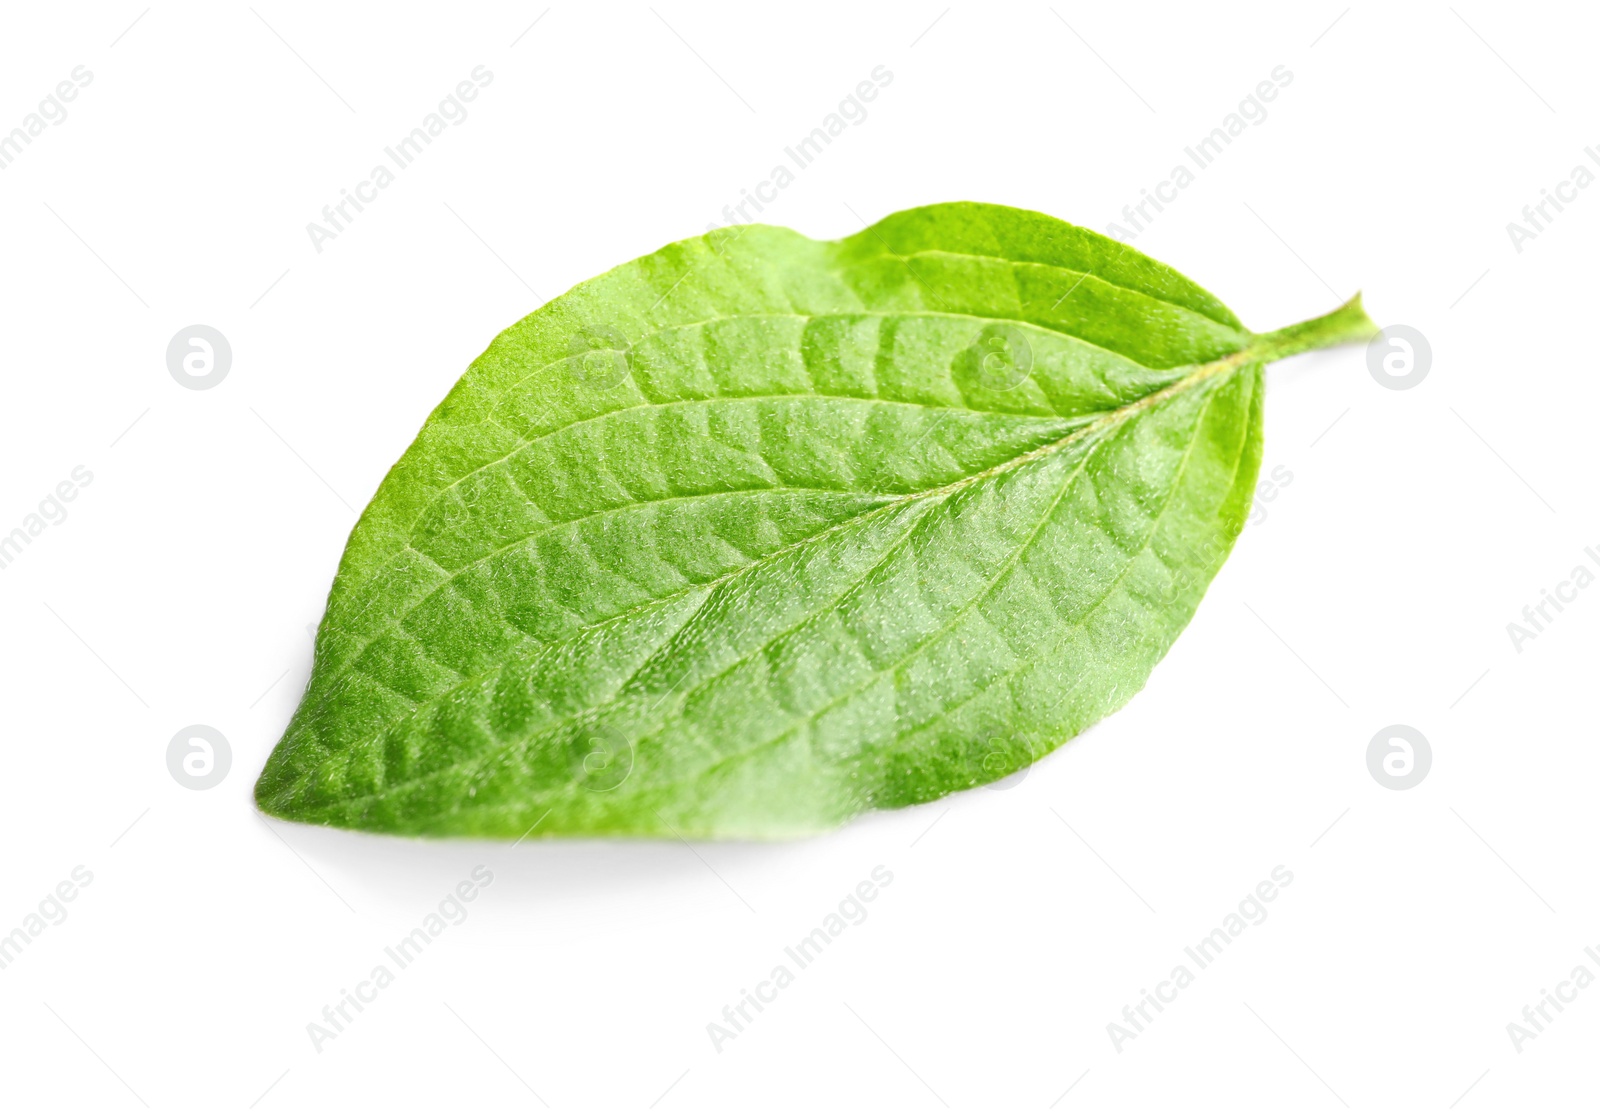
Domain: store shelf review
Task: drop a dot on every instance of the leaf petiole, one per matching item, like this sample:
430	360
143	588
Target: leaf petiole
1339	327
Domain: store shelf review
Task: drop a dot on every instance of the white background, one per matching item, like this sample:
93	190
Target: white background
1418	524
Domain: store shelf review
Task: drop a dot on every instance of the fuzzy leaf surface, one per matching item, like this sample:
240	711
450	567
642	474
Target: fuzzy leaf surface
757	532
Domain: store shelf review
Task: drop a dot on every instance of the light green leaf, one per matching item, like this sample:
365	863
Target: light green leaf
756	533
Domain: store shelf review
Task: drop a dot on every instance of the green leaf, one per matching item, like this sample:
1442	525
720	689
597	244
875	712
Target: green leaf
756	533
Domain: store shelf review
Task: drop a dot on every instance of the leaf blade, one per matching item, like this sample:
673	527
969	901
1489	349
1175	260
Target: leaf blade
700	535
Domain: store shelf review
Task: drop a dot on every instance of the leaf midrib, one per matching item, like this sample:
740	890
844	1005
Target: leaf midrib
1200	374
483	762
523	441
543	529
349	662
